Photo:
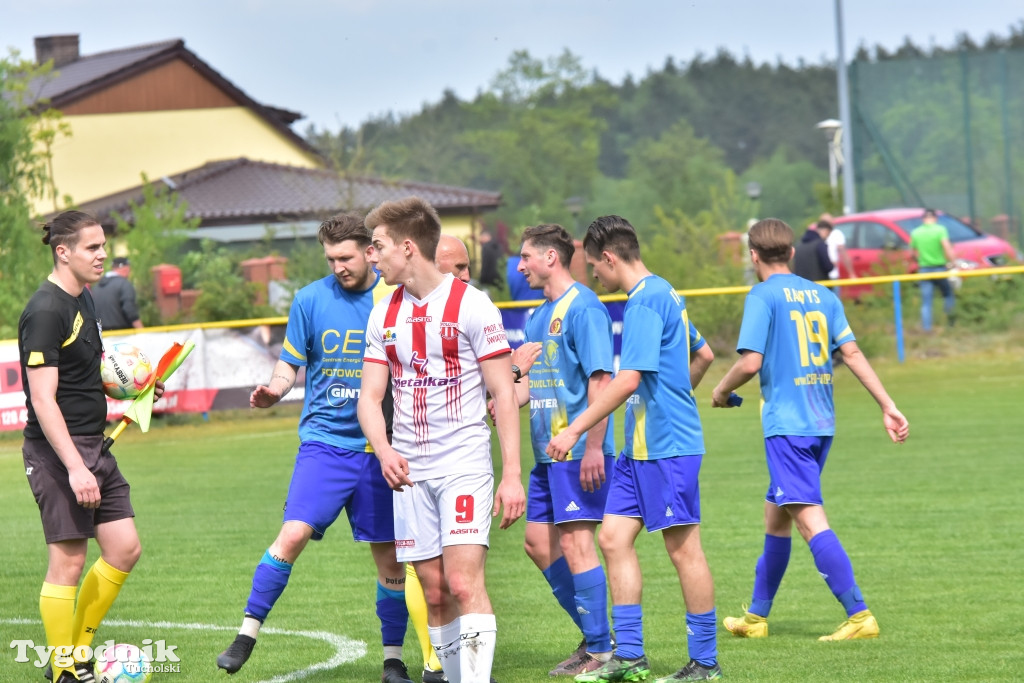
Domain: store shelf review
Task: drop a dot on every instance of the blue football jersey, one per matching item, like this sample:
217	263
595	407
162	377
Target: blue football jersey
326	334
795	324
657	340
576	333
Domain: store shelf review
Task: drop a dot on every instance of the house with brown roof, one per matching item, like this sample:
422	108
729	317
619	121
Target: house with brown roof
242	200
156	109
160	110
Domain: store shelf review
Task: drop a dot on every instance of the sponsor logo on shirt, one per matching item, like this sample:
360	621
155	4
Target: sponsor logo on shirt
389	336
405	543
495	333
427	381
340	394
418	319
456	532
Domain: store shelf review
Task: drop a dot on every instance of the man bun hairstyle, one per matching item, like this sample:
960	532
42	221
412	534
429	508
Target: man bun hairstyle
64	229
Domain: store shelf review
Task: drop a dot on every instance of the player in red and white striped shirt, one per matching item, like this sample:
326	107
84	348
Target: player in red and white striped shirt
444	344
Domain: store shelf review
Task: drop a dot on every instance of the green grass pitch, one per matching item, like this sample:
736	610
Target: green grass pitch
933	528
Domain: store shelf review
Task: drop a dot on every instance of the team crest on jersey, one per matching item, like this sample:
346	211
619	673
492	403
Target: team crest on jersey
390	337
449	330
550	353
420	364
555	328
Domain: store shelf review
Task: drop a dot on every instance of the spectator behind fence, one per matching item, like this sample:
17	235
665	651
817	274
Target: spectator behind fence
934	253
114	297
810	258
835	240
490	254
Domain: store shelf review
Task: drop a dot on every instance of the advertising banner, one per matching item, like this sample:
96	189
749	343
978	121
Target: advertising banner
227	363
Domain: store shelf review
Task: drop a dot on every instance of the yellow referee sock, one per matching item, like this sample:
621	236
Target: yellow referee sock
99	588
57	608
417	606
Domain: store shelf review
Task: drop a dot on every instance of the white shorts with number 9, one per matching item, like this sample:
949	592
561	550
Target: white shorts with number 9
452	510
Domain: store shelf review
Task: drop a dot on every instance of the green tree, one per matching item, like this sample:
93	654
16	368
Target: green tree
788	187
678	169
688	252
224	294
27	128
306	264
152	232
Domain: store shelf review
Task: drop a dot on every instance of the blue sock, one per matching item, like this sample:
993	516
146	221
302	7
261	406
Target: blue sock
592	607
700	638
393	615
834	566
771	567
560	579
268	582
628	621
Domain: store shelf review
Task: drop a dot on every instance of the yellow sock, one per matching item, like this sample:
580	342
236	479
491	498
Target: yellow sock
417	605
99	588
57	608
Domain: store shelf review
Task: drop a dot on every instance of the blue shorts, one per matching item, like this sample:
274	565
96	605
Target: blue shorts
556	496
794	468
326	479
662	493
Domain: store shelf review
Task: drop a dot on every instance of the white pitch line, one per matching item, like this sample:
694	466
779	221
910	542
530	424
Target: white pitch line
345	649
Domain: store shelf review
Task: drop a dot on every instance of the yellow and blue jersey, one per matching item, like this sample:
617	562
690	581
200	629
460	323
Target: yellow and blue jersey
575	331
657	340
795	324
326	334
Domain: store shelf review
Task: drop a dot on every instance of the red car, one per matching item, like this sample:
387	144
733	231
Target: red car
878	243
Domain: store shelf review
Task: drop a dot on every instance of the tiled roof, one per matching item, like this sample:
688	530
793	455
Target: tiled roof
91	69
239	191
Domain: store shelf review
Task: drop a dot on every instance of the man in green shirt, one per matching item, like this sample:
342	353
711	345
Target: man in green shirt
934	253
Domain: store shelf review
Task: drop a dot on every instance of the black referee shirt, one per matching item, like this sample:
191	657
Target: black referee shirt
59	330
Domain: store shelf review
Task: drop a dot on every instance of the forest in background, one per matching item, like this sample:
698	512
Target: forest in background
674	151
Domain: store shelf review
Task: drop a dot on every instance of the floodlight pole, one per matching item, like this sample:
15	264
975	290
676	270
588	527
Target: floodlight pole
849	192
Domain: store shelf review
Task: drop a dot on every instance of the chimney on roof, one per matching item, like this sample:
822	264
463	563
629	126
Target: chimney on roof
61	49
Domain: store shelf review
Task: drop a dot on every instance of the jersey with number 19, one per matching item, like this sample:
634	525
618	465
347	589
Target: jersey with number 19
657	340
434	347
795	324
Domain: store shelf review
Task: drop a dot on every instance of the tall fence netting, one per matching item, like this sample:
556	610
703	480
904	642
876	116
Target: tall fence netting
943	131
